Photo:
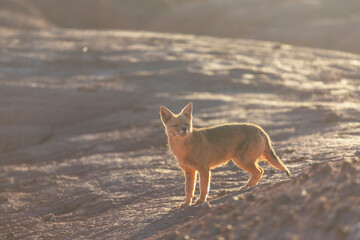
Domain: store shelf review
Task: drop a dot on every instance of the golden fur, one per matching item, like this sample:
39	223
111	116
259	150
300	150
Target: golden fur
202	149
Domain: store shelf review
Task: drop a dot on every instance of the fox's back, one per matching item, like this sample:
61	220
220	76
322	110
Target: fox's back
229	131
220	142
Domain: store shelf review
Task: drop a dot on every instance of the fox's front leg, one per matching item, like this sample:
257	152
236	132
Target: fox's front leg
204	185
190	180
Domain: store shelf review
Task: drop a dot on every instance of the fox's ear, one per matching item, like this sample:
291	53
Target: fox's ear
187	111
165	114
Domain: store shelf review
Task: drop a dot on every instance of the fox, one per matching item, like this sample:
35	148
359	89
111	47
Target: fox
199	150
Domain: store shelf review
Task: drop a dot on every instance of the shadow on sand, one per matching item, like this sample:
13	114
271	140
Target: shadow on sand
180	215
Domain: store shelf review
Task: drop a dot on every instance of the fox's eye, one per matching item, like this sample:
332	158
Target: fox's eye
187	124
175	125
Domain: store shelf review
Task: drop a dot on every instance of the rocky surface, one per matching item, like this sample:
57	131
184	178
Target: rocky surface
321	203
83	153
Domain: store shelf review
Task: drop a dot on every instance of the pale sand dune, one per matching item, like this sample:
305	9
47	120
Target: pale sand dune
83	151
21	14
331	24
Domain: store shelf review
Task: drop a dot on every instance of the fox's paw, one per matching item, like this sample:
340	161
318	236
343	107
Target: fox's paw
184	205
199	201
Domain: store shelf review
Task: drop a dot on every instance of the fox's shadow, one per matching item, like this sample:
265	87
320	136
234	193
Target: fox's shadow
180	215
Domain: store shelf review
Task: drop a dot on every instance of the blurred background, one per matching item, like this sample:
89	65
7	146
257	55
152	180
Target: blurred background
330	24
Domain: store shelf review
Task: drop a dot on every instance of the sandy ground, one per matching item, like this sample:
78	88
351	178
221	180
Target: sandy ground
83	153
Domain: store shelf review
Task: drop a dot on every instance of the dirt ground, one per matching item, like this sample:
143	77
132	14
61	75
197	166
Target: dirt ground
83	152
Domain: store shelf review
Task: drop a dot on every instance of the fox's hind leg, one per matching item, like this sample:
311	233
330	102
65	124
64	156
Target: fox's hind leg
255	171
246	158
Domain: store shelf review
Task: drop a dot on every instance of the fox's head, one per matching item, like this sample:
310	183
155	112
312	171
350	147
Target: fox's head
177	124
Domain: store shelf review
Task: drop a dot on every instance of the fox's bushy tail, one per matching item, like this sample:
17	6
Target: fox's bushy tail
272	158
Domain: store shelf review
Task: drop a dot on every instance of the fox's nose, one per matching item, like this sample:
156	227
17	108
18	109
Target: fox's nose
184	129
